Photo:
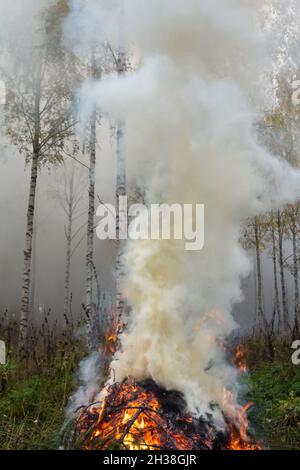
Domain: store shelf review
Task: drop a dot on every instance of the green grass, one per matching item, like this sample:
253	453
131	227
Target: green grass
275	389
32	407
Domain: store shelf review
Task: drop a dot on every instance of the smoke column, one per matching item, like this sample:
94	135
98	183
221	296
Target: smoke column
190	113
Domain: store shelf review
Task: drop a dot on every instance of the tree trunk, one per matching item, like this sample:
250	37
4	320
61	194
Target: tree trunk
24	317
69	230
32	305
260	312
120	191
26	285
282	274
90	311
276	290
295	273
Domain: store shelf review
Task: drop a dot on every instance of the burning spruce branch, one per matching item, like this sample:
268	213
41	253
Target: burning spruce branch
146	417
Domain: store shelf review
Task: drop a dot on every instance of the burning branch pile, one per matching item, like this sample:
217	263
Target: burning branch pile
146	417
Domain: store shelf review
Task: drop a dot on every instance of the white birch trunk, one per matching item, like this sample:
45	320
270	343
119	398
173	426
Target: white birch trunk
70	209
295	273
26	285
90	310
275	277
282	274
120	191
260	312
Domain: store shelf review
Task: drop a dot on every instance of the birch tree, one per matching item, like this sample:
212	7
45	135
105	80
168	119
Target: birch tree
39	121
90	310
281	135
292	215
254	236
276	306
280	232
70	194
257	243
120	59
69	208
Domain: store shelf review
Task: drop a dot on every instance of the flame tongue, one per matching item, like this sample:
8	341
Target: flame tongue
132	418
145	417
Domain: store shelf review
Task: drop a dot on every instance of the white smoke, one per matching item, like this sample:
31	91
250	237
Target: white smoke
90	380
190	112
92	23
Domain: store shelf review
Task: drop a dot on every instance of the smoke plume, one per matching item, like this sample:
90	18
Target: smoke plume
190	112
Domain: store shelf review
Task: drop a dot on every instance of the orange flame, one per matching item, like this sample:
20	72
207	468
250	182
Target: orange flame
238	425
134	419
240	358
135	422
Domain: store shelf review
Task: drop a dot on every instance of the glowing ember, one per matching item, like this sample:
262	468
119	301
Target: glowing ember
145	417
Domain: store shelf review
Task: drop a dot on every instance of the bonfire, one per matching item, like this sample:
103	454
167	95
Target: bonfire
144	416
